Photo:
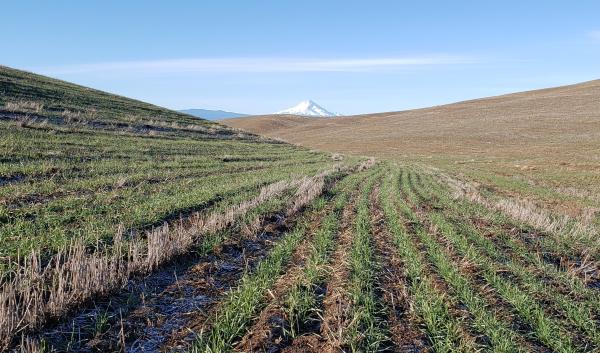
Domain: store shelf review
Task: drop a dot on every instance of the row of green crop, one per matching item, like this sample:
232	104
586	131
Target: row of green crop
301	302
443	329
98	215
74	160
552	286
58	185
502	337
521	289
208	242
241	304
200	237
366	331
85	161
574	238
33	148
525	258
55	188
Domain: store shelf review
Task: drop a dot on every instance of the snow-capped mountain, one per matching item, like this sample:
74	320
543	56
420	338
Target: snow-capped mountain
307	108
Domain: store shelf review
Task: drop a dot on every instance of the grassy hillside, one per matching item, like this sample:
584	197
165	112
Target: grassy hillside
81	163
96	188
541	144
34	99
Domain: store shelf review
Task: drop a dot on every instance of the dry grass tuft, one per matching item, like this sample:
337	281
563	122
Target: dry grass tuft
24	106
31	345
367	164
337	157
564	228
35	292
78	117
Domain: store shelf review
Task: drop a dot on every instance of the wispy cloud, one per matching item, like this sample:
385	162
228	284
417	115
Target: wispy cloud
256	65
594	34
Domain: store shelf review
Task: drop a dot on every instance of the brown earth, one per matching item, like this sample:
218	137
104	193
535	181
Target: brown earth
542	146
561	122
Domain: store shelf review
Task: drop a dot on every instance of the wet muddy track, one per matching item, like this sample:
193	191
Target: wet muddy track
159	312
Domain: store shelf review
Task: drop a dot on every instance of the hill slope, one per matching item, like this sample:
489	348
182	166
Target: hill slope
81	163
96	189
555	121
62	103
541	145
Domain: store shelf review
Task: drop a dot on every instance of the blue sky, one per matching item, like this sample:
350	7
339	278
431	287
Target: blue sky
263	56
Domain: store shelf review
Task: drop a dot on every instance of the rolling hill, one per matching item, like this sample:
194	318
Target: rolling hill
543	145
557	122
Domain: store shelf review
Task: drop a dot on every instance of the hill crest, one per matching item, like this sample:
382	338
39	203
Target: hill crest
517	125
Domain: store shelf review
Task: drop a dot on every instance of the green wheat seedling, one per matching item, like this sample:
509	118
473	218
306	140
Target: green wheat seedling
442	329
300	304
366	331
578	313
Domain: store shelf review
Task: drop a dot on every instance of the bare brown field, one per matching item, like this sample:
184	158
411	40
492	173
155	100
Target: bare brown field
560	123
543	145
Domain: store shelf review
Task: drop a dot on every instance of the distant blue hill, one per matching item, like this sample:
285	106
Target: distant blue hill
212	114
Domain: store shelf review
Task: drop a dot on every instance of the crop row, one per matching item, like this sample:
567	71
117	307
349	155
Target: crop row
73	275
559	319
231	319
